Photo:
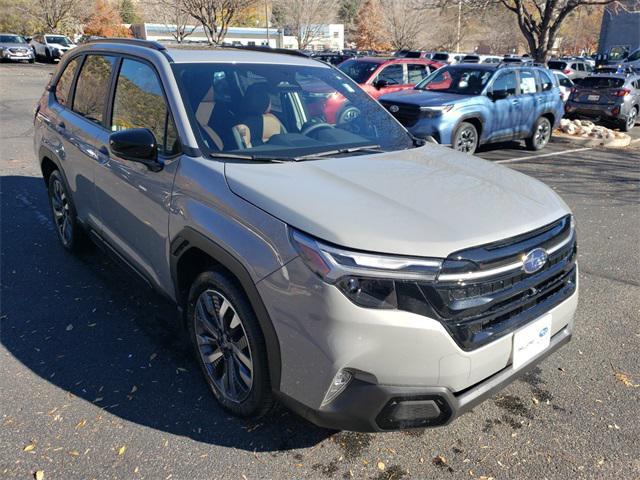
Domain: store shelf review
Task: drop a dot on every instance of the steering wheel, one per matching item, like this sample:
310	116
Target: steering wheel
315	126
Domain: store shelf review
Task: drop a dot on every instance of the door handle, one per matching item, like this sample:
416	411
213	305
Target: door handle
62	126
104	150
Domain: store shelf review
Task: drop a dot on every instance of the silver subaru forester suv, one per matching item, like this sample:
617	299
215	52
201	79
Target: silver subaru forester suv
364	280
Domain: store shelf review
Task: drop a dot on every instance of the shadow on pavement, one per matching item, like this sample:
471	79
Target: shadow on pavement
91	329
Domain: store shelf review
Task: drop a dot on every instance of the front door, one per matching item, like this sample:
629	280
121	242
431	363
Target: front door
132	199
505	106
392	77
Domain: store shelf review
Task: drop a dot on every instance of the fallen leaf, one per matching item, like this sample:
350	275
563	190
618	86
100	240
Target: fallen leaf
380	465
625	380
74	453
122	449
29	447
439	461
81	423
535	400
69	327
134	389
39	475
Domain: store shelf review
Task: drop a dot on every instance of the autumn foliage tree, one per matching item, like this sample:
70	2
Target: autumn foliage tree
370	27
105	21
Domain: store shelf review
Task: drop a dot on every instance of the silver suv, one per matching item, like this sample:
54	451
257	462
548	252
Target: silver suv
364	280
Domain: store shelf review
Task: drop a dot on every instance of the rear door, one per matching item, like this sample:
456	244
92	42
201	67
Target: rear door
85	130
531	103
134	200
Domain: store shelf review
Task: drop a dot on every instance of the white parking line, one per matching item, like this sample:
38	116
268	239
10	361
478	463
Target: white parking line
552	154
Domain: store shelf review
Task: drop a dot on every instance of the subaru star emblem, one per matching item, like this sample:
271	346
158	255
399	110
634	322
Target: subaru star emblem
394	108
534	260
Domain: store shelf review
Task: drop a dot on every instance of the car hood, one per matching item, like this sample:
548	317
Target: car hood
424	98
60	46
429	201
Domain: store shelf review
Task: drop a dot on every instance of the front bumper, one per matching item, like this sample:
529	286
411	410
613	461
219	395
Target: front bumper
7	55
393	355
366	407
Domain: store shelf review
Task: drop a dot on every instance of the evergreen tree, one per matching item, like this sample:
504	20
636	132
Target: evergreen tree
128	11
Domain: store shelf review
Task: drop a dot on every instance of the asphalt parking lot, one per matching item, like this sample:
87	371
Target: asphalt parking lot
97	382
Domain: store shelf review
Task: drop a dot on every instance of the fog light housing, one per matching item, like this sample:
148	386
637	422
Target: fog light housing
415	412
339	383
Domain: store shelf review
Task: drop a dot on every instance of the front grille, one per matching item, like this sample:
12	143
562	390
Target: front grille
407	115
483	293
18	50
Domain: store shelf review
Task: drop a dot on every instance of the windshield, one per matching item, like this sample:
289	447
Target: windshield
283	112
11	39
360	71
59	39
601	82
456	79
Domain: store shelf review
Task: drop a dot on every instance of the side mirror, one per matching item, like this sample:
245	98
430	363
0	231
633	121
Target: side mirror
136	145
498	95
378	84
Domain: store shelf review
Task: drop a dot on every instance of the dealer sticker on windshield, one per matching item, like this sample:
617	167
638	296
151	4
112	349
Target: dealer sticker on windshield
530	340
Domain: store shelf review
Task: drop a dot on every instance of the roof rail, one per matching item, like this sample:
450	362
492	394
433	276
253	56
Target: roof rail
131	41
265	49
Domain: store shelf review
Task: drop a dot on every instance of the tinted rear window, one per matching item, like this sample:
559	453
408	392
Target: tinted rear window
441	56
557	65
412	55
601	82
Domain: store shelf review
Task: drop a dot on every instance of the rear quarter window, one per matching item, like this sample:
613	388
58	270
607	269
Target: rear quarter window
63	87
557	65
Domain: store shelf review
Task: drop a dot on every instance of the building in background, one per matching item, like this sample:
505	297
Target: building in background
326	37
620	30
246	36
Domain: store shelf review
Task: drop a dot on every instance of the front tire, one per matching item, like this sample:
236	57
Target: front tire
541	135
64	214
229	345
465	138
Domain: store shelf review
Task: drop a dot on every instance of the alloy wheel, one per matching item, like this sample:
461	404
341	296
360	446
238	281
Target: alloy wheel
467	140
543	132
61	212
631	119
223	346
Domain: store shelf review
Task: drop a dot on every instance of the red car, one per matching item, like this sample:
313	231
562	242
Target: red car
377	76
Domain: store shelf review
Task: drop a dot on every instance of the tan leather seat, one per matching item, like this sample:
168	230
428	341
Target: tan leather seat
203	116
258	124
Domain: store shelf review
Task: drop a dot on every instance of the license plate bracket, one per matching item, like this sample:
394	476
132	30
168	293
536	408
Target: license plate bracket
531	340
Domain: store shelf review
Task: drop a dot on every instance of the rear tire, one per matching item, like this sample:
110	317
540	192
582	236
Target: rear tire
465	138
541	134
630	121
228	341
65	219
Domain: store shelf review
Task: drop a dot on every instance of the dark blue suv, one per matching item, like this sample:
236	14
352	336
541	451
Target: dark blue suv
466	105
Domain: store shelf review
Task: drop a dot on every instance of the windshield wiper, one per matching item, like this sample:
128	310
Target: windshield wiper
364	148
254	158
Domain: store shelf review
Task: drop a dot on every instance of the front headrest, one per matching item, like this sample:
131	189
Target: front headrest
256	99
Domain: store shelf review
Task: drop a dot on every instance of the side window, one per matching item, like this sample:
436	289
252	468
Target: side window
565	82
588	67
546	83
527	82
392	74
417	72
139	103
63	86
506	82
92	88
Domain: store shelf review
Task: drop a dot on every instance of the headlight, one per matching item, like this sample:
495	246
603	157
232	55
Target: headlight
436	111
369	280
